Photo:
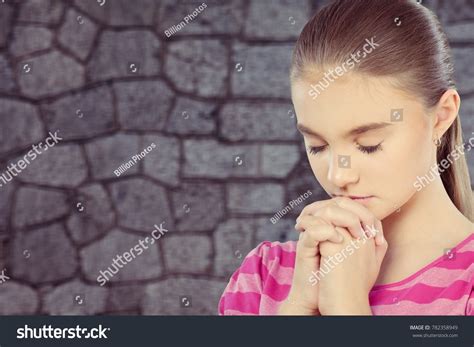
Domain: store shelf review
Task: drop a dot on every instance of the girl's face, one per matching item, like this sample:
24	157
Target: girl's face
365	138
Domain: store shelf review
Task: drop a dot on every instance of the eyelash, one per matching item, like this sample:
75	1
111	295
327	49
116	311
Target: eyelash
363	149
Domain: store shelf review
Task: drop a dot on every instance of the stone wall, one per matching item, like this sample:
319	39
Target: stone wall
214	100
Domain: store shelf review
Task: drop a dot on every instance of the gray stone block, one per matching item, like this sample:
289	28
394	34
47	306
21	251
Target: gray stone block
5	204
211	159
81	115
183	296
93	214
464	69
263	70
77	34
254	197
198	206
109	153
433	5
460	32
257	121
125	297
43	255
192	117
219	17
41	11
49	74
279	160
6	16
29	39
117	51
120	12
62	165
277	19
162	163
188	254
21	125
17	299
452	11
141	204
6	75
75	298
198	66
300	181
38	205
466	114
283	230
143	105
100	256
233	240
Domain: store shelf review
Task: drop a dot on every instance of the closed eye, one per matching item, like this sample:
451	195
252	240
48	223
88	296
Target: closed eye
370	149
316	149
364	149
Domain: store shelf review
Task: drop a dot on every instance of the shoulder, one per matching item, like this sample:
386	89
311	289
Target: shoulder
243	292
268	256
277	253
464	255
462	260
468	254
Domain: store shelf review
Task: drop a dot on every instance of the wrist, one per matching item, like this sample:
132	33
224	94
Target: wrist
292	307
351	308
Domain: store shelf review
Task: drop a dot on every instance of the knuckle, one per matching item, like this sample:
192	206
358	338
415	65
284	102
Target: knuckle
340	200
303	219
375	225
327	248
331	210
343	201
344	232
316	233
355	221
313	206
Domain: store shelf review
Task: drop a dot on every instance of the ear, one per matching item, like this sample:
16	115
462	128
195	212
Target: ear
446	112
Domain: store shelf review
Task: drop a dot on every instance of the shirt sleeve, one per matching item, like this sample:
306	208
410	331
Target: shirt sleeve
243	292
470	304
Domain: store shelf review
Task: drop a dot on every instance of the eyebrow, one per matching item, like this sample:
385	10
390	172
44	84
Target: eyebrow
356	131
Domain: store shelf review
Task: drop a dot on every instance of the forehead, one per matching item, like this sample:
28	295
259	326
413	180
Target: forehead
350	100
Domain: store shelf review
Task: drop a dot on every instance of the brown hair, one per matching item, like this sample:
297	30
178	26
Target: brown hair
412	48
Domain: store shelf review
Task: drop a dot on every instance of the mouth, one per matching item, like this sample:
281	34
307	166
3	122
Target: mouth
356	198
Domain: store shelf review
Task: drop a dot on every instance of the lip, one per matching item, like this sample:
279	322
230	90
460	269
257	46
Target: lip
356	198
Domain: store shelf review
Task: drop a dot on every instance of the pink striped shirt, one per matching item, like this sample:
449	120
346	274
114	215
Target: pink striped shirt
443	287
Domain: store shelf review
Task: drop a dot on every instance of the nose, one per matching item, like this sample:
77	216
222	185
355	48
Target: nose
341	170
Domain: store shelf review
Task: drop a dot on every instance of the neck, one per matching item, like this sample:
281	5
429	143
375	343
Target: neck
428	215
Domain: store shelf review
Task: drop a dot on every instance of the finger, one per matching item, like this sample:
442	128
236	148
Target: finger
308	219
313	207
341	217
364	214
344	233
380	252
379	235
376	232
315	233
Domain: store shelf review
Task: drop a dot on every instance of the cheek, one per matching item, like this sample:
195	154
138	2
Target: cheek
396	169
319	167
412	156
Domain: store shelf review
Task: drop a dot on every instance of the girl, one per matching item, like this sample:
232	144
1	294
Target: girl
373	90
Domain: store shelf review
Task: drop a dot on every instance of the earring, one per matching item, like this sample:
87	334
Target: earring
437	141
